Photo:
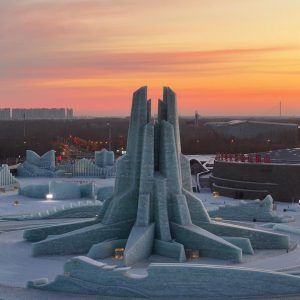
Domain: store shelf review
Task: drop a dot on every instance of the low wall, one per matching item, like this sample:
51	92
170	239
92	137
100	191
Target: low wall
251	180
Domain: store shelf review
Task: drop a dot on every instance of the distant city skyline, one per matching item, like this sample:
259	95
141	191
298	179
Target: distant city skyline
36	113
227	57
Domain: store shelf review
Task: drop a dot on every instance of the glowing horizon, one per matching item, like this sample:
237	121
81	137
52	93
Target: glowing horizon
229	57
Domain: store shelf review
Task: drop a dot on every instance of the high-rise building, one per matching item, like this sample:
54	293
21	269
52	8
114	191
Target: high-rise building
4	113
39	113
18	113
196	118
70	113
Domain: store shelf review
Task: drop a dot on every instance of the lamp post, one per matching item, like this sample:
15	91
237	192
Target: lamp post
109	136
24	128
268	144
232	145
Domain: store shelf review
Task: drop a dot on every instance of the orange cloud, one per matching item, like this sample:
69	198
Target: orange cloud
222	57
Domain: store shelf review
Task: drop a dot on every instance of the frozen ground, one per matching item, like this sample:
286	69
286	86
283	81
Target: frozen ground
17	266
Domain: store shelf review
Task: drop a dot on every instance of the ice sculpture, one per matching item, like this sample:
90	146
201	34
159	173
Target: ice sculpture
104	158
36	165
7	180
153	210
103	167
254	210
44	166
153	206
83	275
61	190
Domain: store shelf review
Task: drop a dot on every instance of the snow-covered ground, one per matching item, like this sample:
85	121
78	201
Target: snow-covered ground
17	266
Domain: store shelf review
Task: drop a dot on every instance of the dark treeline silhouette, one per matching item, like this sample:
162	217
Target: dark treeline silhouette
43	135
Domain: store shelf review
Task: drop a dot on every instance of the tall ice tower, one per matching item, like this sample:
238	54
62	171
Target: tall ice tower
153	209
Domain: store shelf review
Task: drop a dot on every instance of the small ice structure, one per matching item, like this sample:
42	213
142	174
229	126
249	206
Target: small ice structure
7	180
44	166
104	158
38	166
63	190
254	210
103	167
38	191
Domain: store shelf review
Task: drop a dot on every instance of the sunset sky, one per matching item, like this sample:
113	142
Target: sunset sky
222	57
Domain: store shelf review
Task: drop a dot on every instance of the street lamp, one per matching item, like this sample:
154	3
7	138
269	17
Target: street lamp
109	136
268	144
232	145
